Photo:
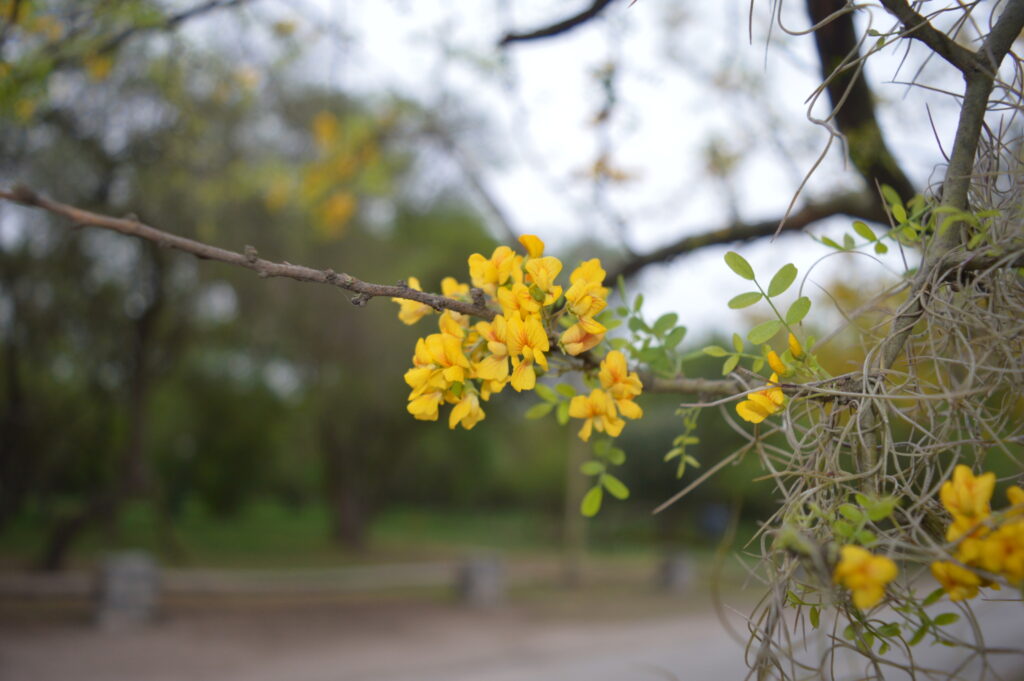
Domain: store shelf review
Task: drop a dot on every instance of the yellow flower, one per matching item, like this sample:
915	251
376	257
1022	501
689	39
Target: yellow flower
959	582
533	245
761	404
529	340
467	412
621	384
490	273
577	340
1002	552
775	362
864	574
446	353
967	498
451	288
586	296
494	366
1015	495
598	410
424	407
542	273
517	301
412	311
795	348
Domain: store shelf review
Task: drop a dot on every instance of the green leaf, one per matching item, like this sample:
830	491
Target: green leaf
881	510
744	300
675	337
866	537
737	342
899	213
730	364
782	280
565	389
851	513
592	468
933	597
622	311
863	230
664	323
850	632
891	197
830	243
539	410
919	634
672	453
815	616
881	248
891	629
715	351
638	302
798	310
614	486
562	414
616	456
764	332
848	242
545	393
884	648
636	324
738	264
591	503
842	528
946	618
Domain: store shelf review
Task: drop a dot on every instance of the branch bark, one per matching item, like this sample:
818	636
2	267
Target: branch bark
249	259
863	205
559	27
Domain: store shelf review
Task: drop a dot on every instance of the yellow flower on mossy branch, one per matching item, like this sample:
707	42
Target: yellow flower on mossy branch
957	581
967	497
576	340
776	363
541	272
864	574
490	273
761	404
598	412
411	311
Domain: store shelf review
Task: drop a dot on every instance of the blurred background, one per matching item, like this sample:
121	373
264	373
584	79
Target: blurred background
231	457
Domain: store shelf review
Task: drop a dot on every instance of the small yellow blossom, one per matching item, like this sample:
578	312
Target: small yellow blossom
795	348
959	582
577	340
466	412
761	404
517	301
621	384
598	412
533	245
527	342
490	273
967	498
493	366
864	574
542	273
411	311
775	362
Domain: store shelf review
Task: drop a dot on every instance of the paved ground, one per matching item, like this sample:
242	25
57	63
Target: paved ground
407	640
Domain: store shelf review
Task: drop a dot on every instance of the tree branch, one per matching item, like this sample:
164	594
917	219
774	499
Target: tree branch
560	27
249	259
917	27
853	103
862	205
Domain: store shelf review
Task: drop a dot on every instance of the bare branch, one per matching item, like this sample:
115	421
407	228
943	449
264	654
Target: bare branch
861	205
249	259
918	27
560	27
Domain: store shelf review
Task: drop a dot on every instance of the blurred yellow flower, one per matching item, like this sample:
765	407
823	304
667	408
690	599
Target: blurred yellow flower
864	574
761	404
411	311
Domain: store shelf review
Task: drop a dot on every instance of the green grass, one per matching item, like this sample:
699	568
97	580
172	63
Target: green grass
268	534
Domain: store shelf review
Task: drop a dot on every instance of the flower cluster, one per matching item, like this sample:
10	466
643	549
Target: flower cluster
464	364
601	409
994	545
761	404
864	574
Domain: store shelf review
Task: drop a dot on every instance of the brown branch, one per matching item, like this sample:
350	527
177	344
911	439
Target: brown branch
692	386
560	27
837	43
249	259
917	27
861	205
